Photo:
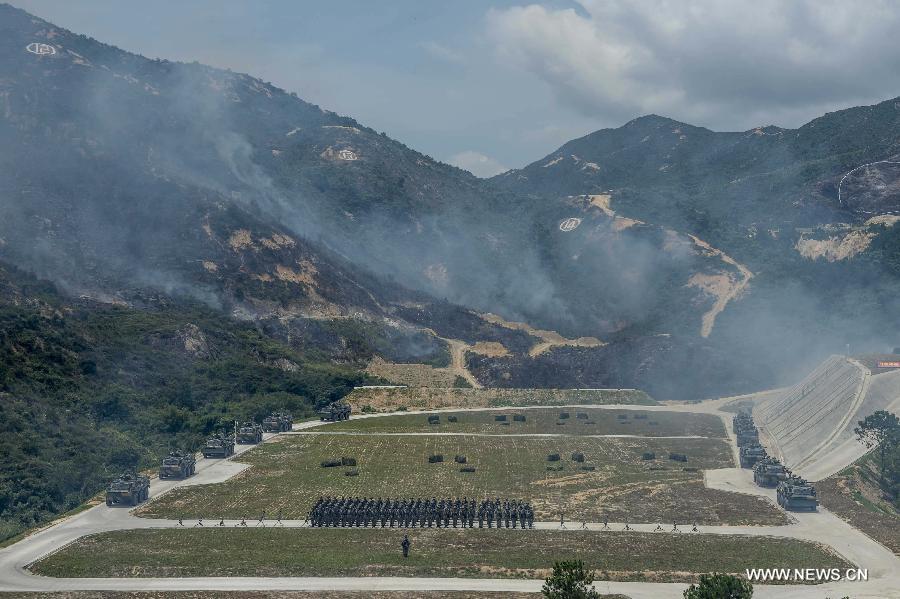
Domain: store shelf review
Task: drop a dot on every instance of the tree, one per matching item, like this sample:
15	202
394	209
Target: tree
880	429
569	580
720	586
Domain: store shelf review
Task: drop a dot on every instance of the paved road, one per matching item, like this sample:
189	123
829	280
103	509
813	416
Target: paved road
822	527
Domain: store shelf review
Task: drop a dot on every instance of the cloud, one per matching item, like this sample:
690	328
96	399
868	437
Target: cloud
442	52
723	64
477	163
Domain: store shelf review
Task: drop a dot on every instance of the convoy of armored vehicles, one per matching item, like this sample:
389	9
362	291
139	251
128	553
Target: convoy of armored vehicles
178	464
278	422
334	412
796	494
219	446
250	433
792	492
128	489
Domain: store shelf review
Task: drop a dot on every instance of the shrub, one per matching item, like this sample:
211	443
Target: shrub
553	457
460	459
678	457
353	472
500	418
569	580
563	415
331	463
519	417
435	459
348	461
622	416
581	416
467	469
434	419
648	455
720	586
640	416
452	419
589	468
577	457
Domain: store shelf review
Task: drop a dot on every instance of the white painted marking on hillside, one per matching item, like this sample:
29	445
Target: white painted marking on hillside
40	49
853	170
569	224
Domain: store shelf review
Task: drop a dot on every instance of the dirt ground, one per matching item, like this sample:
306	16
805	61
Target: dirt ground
390	400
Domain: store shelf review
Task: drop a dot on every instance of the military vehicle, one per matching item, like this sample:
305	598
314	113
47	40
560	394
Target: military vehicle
768	472
336	411
740	420
796	494
220	446
250	433
128	489
178	464
748	435
750	454
278	422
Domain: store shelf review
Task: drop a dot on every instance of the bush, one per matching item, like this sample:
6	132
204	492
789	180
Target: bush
519	417
348	461
581	416
467	469
500	418
331	463
678	457
434	419
554	468
452	419
622	416
460	459
553	457
563	415
640	416
648	455
589	468
569	580
435	459
720	586
353	472
577	457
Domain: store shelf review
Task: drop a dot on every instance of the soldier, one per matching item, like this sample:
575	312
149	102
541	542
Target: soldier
695	529
674	526
262	519
405	545
562	522
199	521
221	521
626	526
605	522
180	523
658	528
243	522
278	521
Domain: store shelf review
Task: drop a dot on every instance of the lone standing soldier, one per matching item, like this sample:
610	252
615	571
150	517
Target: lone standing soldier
405	545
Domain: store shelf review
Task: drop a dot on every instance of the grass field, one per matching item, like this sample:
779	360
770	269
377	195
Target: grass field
419	398
456	553
286	476
599	421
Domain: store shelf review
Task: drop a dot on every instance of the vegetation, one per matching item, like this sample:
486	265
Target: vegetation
581	421
287	476
91	389
569	580
720	586
435	552
280	595
881	430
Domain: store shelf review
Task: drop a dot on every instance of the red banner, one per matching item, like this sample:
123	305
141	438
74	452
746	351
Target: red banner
883	364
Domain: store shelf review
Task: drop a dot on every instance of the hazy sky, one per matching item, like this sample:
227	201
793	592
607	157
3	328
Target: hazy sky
494	85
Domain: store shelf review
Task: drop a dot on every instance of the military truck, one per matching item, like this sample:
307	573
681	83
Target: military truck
334	412
178	464
220	446
250	433
278	422
768	472
796	494
128	489
750	454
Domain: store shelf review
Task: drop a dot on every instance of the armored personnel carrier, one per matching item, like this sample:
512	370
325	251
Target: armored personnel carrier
795	494
220	446
750	454
741	420
278	422
250	433
768	472
748	435
128	489
178	464
336	411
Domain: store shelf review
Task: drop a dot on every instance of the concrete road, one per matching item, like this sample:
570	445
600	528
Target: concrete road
823	527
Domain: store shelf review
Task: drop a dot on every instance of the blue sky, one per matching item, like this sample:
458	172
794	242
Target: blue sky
494	85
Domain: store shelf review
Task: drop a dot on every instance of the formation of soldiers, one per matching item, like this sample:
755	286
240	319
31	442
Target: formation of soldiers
423	513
